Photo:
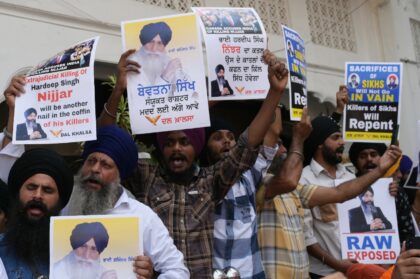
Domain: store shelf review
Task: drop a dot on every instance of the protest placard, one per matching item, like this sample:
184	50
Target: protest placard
170	91
368	226
295	54
235	39
94	246
374	98
59	103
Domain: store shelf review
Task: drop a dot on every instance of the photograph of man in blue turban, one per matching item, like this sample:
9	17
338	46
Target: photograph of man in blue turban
157	67
88	241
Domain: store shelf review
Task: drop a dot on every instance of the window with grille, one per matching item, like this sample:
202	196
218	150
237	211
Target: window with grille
331	24
273	13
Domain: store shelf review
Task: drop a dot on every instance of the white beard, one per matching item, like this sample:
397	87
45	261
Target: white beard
86	202
152	63
85	269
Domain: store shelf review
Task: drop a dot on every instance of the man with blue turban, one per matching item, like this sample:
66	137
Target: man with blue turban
108	160
88	241
157	67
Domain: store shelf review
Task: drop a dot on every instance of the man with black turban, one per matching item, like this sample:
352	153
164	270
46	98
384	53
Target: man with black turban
30	130
323	152
365	157
40	183
108	160
157	67
220	86
88	241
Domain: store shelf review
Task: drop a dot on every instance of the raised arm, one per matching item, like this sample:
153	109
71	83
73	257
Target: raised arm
288	177
315	250
15	88
272	136
342	98
125	66
352	188
278	77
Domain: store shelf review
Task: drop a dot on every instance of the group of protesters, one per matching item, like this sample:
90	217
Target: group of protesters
217	205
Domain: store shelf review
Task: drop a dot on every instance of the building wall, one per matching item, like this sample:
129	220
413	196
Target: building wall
35	29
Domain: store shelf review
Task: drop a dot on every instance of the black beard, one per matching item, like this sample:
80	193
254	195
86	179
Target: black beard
213	157
31	123
29	238
331	156
182	177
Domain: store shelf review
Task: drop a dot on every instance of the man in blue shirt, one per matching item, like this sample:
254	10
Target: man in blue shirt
40	183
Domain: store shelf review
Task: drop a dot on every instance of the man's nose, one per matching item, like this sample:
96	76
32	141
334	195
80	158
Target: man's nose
38	194
177	146
154	47
227	139
85	253
370	158
96	167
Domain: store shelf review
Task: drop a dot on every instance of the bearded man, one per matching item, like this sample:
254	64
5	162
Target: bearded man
30	130
40	184
157	67
108	160
323	152
367	217
365	157
88	241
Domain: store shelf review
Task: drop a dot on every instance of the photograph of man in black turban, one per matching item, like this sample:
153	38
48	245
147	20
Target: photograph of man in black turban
30	130
88	241
220	86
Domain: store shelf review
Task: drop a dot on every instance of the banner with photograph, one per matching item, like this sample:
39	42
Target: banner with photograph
170	91
235	39
374	101
368	226
101	246
295	54
59	103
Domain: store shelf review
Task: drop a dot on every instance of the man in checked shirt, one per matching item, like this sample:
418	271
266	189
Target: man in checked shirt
178	190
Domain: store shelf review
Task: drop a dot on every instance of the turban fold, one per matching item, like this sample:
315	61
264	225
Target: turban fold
358	147
29	111
4	197
39	160
149	31
83	232
117	144
196	137
322	128
219	67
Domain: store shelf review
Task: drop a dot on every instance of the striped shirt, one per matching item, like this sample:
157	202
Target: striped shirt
235	225
280	234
